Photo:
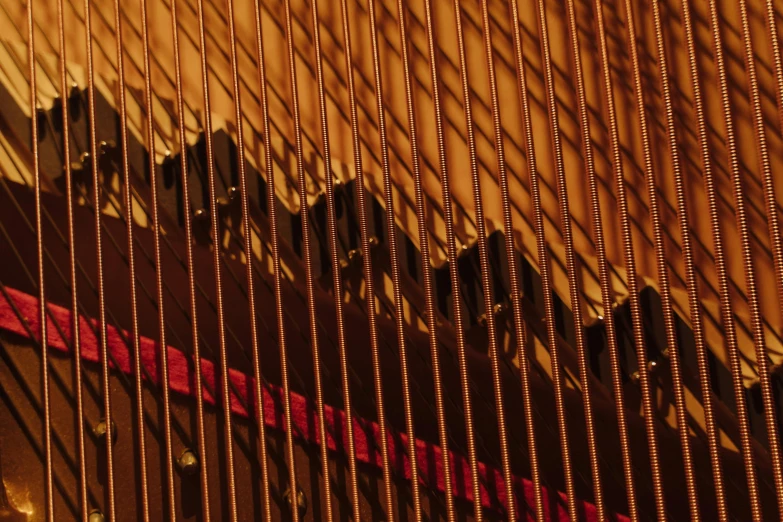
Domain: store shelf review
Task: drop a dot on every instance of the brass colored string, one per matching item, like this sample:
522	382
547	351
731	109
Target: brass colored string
697	326
648	407
573	283
629	259
188	213
47	420
217	261
331	223
727	312
156	232
448	218
769	190
489	299
305	218
275	247
391	229
138	383
546	283
424	240
663	274
76	343
101	283
757	325
266	130
607	295
365	237
248	247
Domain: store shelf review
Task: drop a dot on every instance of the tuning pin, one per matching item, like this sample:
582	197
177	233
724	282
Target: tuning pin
81	170
201	227
96	516
85	163
108	157
188	462
100	431
168	166
107	147
80	174
40	115
338	186
57	114
229	208
75	102
301	500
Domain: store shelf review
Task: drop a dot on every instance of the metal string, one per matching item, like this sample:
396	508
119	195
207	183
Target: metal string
216	245
607	295
188	223
696	320
47	422
489	299
726	305
156	233
565	227
75	327
424	237
134	332
369	281
762	361
543	261
636	314
663	273
336	275
272	213
303	212
104	351
453	268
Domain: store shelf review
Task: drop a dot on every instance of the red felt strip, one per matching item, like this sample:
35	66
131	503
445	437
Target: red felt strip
303	414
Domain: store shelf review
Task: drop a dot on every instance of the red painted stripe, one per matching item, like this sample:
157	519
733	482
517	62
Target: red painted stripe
180	378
